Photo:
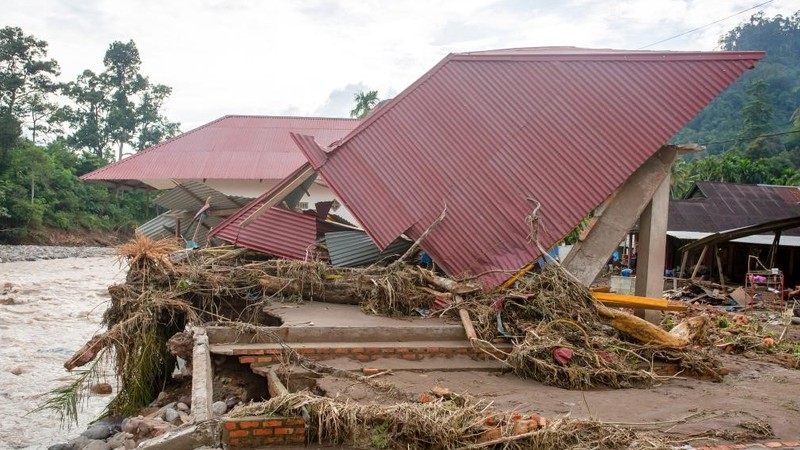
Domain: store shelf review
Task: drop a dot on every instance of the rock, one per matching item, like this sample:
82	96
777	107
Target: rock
219	408
78	443
96	445
7	301
795	320
185	418
130	444
180	406
186	400
101	388
171	415
118	440
17	371
60	447
97	431
161	397
131	424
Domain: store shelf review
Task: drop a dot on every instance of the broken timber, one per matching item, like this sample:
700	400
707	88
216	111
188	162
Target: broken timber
633	301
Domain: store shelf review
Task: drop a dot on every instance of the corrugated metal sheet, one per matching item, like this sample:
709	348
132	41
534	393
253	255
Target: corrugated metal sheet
278	232
482	132
192	195
232	147
355	248
163	226
714	207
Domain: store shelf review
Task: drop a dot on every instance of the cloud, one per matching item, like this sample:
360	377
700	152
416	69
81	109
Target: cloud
340	101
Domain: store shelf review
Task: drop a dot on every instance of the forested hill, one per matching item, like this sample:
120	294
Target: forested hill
752	130
720	125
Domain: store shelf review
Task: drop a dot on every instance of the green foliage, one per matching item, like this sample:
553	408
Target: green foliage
117	108
27	79
365	101
764	99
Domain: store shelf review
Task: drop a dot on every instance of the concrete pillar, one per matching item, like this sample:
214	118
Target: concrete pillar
652	248
202	377
590	255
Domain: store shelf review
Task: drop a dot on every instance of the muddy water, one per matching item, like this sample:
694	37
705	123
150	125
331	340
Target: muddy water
48	309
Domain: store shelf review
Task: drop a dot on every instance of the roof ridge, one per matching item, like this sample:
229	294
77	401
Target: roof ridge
282	116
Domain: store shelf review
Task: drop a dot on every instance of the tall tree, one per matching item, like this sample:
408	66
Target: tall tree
119	107
365	101
27	77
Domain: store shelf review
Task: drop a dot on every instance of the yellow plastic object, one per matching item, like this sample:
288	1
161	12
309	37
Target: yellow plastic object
633	301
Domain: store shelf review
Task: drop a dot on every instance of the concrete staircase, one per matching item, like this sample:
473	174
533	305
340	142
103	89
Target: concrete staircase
441	347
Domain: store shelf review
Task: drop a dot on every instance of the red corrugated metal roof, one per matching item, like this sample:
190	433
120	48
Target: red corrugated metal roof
233	147
278	232
482	132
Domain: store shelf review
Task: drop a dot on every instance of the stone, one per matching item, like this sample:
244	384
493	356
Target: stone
180	406
17	371
101	388
97	431
96	445
795	320
130	444
118	440
219	408
161	397
171	415
186	400
131	424
60	447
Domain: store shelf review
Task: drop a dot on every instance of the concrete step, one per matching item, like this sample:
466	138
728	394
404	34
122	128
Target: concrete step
266	354
458	363
363	334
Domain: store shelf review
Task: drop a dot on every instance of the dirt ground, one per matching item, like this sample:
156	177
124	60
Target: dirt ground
752	390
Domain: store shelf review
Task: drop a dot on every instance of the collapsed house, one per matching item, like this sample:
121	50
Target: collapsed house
213	170
490	136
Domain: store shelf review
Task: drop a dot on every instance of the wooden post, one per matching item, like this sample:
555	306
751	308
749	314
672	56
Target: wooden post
719	267
466	321
684	260
699	261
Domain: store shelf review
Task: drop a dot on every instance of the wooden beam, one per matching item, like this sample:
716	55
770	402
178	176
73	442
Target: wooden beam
279	195
719	267
633	301
699	261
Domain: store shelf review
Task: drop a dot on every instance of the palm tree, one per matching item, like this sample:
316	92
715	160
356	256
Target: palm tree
365	101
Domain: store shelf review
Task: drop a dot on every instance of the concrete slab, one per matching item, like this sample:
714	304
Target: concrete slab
330	314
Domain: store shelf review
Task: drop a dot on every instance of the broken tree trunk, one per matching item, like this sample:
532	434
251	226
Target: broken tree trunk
640	329
86	353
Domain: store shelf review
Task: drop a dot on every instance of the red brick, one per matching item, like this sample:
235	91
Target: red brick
239	433
294	421
324	350
263	432
235	442
248	424
372	350
247	359
296	438
357	350
363	357
230	426
387	350
403	350
265	359
272	423
341	351
284	430
410	357
273	440
307	350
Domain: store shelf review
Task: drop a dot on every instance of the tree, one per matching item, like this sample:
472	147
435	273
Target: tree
27	78
119	107
365	101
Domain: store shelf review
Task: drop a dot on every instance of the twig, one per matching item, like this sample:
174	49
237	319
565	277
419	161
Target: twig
419	240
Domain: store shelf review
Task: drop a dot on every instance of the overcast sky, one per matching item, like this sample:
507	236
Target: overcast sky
309	57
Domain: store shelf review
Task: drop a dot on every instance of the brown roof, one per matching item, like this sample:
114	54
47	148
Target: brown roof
711	207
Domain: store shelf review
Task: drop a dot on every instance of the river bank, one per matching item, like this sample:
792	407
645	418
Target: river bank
51	301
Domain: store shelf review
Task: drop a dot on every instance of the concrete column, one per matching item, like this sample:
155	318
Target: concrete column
202	377
590	255
652	248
